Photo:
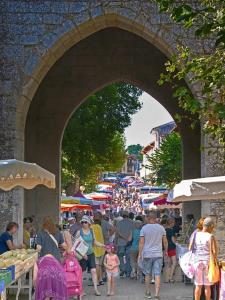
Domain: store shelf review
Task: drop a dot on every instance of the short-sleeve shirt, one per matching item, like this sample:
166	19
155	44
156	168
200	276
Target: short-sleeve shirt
5	236
153	234
169	234
106	226
48	246
124	227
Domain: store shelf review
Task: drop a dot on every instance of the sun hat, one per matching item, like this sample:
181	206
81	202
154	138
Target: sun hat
86	219
208	222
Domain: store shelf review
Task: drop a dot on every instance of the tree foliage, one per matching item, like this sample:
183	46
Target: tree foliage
93	140
136	150
206	70
166	162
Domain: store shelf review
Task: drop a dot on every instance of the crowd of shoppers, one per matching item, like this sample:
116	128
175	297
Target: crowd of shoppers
119	245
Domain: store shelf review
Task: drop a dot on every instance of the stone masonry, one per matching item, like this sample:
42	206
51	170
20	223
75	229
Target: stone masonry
38	38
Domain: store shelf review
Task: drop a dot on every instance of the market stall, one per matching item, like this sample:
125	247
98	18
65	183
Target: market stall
14	265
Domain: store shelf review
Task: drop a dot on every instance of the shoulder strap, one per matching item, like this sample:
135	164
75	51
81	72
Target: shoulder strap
53	238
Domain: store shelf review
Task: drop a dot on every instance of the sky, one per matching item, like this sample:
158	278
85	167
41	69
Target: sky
151	114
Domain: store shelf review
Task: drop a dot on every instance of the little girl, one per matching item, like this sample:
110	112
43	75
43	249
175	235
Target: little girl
111	263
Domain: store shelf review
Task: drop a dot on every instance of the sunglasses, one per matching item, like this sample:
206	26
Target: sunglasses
84	222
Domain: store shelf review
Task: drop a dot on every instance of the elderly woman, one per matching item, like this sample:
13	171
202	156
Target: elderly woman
88	260
204	244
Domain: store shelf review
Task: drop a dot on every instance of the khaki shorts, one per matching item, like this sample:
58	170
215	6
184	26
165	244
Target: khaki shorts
99	260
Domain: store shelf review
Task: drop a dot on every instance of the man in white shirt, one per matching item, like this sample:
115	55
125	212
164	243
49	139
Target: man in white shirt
152	238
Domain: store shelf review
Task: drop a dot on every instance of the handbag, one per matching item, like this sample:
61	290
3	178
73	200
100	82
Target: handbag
214	271
187	261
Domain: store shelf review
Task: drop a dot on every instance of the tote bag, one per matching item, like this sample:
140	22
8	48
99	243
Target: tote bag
214	272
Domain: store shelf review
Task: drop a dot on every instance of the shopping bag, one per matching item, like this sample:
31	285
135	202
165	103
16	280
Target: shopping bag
214	272
187	264
80	246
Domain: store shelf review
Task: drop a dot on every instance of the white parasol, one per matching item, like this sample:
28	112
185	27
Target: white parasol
27	175
209	188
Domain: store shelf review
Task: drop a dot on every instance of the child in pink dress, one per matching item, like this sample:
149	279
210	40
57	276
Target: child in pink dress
111	263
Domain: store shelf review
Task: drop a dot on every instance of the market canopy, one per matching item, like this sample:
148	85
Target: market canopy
15	173
72	207
163	203
209	188
76	200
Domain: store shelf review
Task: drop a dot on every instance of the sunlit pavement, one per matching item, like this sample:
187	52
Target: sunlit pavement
128	289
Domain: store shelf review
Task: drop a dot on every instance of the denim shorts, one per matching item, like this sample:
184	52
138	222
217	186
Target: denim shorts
152	266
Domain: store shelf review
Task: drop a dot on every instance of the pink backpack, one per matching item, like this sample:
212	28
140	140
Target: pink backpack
73	276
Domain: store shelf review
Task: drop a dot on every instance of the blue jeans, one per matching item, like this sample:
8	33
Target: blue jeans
121	252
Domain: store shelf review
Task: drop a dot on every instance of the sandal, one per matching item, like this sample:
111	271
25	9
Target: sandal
97	293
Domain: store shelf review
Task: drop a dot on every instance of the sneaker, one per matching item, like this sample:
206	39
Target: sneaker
157	298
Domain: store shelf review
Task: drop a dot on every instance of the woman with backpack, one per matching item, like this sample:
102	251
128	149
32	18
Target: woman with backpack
88	260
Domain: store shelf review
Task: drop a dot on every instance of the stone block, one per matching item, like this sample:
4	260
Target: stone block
49	39
78	6
5	87
59	7
31	63
52	19
29	39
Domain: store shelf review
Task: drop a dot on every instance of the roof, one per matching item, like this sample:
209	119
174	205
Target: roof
165	128
147	148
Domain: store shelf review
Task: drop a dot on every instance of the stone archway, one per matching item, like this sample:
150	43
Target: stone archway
106	56
38	34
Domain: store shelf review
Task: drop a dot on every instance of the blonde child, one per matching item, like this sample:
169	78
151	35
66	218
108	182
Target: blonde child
111	263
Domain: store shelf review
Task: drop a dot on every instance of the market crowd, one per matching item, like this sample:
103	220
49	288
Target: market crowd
125	242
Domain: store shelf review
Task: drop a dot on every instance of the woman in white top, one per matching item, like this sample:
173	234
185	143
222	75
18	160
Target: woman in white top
203	243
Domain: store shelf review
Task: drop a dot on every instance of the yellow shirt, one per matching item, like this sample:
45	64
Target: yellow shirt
97	230
26	238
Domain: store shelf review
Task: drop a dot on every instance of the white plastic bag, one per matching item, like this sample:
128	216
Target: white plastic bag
187	264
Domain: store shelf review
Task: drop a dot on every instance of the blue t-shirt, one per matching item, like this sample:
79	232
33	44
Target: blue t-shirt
135	239
4	237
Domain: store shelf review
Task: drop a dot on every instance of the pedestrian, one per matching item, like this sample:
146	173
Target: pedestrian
123	241
134	248
50	240
152	238
49	279
98	251
74	224
171	258
107	228
204	244
6	238
88	260
111	263
27	231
